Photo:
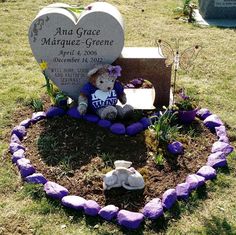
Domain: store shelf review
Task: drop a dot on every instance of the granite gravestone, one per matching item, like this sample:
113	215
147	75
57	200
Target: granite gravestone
217	9
72	43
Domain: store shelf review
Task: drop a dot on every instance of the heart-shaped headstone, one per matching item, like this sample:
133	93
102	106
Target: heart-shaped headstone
72	43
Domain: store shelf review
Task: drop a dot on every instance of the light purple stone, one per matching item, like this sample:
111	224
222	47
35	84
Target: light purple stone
203	113
207	172
38	116
146	122
74	113
73	202
220	131
224	139
19	131
222	147
134	129
26	123
153	209
117	128
91	118
55	112
104	123
109	212
217	159
183	190
15	139
175	148
169	198
26	170
130	220
13	147
195	181
91	208
36	178
22	161
18	155
212	122
55	190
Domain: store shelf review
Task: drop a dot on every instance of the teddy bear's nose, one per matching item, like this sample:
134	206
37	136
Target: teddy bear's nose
108	88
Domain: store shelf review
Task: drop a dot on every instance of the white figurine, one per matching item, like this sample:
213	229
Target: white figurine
123	176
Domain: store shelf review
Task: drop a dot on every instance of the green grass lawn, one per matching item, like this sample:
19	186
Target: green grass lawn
25	210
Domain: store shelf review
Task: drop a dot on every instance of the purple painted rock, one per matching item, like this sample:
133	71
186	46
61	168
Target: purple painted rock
55	112
22	161
91	118
13	147
15	139
222	147
212	122
175	148
220	131
224	139
73	202
18	155
55	190
203	113
134	128
109	212
195	181
74	113
183	190
19	131
26	170
26	123
207	172
38	116
187	117
153	209
146	122
130	220
104	123
217	159
117	128
137	82
169	198
91	208
36	178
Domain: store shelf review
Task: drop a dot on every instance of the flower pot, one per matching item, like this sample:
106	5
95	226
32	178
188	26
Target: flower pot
187	117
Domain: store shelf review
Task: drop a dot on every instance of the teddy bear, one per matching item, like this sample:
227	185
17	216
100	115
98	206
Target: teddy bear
102	92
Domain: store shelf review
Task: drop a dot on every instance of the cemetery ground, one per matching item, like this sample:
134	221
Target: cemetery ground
24	208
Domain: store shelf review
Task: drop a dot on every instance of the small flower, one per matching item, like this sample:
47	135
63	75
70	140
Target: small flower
114	71
43	65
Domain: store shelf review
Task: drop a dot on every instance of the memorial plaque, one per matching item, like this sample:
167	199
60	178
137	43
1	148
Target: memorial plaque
72	43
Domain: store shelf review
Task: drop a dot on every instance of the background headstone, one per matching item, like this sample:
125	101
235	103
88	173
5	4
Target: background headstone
72	43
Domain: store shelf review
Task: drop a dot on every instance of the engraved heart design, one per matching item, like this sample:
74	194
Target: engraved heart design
102	95
72	43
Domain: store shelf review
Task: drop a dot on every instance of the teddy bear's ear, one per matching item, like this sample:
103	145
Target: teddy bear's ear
92	72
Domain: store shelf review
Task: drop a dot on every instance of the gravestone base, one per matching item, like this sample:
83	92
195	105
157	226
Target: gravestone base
147	63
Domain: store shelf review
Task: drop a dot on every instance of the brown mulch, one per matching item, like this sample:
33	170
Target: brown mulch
76	154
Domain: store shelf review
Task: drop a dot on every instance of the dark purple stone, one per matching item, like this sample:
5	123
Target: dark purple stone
169	198
207	172
221	131
146	122
26	123
73	202
26	170
222	147
203	113
18	155
55	112
137	82
217	159
195	181
130	220
38	116
91	208
91	118
55	190
187	117
175	148
104	123
212	122
183	190
109	212
15	139
153	209
36	178
19	131
134	128
117	128
74	113
13	147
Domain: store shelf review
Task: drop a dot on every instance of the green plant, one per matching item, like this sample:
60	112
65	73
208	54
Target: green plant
159	159
185	102
37	104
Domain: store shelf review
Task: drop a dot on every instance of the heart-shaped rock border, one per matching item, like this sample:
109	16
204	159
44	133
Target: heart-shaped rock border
153	209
